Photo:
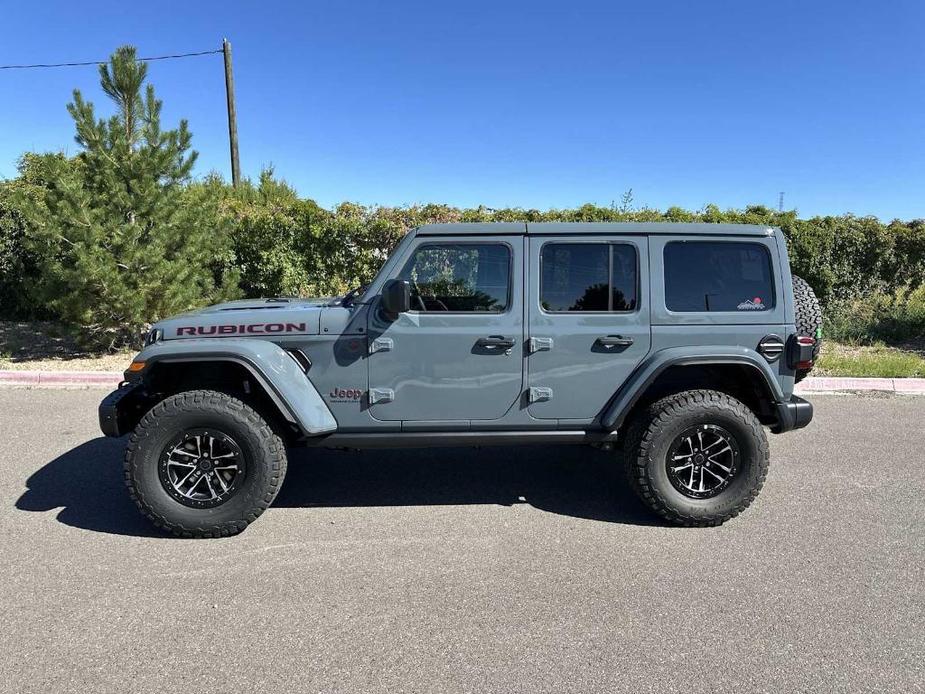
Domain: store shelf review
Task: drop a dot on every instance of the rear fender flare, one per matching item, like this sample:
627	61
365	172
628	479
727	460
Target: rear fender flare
646	373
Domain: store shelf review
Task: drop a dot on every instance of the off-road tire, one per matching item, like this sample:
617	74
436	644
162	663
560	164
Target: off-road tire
263	451
808	314
650	435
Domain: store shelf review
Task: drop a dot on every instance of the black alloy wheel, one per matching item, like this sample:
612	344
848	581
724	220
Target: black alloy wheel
702	461
202	468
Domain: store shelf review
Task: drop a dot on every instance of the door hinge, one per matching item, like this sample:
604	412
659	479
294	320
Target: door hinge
381	395
539	344
539	394
381	344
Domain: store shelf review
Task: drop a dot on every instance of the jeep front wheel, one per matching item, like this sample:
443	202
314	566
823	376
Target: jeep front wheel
697	458
203	464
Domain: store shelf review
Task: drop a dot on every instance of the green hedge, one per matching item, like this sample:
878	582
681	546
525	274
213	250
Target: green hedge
285	245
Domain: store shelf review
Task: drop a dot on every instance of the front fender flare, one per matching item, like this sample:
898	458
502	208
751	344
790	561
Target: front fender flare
290	389
646	373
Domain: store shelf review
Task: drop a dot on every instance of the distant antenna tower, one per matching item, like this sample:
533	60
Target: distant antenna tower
780	202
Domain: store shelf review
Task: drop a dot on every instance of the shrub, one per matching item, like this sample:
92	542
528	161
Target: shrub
880	316
119	239
14	261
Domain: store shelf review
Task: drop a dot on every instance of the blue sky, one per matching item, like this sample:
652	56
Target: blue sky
529	104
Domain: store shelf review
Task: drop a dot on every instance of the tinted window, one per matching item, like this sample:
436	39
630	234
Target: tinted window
588	277
718	276
459	277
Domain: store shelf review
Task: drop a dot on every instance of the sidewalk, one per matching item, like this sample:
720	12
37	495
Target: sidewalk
110	379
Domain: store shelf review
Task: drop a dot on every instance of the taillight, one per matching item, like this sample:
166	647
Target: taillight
801	355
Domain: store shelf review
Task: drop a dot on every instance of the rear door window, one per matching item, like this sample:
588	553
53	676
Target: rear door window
597	277
706	276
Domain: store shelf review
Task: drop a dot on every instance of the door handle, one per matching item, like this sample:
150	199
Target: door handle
610	341
495	342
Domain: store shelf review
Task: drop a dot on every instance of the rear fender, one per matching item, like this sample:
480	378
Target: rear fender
278	373
635	387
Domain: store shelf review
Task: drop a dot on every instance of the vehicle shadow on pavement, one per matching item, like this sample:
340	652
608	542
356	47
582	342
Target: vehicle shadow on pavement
576	481
86	483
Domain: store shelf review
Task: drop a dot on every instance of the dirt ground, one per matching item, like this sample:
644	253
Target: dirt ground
40	346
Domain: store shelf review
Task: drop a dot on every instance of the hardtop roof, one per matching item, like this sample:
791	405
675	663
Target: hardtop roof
580	228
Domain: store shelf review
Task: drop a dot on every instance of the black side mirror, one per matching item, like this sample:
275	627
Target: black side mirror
396	297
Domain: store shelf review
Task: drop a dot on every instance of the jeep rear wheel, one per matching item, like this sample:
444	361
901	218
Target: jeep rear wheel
203	464
697	458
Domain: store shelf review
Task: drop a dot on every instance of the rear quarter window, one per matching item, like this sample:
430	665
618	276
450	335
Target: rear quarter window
707	276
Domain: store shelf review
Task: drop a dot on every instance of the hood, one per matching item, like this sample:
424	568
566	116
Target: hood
248	317
280	302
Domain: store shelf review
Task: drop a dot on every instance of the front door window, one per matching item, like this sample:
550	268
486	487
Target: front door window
458	278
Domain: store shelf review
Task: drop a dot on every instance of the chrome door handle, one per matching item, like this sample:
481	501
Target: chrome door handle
614	341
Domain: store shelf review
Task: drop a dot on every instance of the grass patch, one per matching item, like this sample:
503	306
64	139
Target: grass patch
877	318
878	361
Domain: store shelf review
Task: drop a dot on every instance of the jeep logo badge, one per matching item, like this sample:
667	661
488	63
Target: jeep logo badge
345	394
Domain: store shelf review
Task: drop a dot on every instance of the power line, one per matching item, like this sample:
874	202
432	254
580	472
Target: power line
229	89
99	62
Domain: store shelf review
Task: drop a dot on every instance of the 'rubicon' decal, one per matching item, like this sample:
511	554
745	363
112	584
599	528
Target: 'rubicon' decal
243	329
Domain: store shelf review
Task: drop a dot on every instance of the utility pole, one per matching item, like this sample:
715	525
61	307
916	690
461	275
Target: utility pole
780	202
232	115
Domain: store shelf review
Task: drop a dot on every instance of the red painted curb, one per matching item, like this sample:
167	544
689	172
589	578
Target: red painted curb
60	378
910	386
828	383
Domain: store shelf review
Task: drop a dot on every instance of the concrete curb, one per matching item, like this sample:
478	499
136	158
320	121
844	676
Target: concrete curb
825	384
60	379
812	384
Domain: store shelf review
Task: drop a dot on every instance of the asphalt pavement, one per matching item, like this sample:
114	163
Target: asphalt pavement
469	570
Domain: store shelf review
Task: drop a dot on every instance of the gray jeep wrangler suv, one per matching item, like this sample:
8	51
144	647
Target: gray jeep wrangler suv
674	344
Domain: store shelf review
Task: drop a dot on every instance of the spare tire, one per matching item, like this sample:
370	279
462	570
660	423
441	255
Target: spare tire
808	315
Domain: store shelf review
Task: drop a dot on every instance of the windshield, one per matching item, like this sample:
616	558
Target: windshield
387	268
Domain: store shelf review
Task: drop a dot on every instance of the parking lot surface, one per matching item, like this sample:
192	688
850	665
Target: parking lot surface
470	570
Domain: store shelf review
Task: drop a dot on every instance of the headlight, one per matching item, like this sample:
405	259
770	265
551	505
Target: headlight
154	335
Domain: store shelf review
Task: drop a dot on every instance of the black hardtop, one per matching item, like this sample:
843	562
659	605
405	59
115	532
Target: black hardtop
585	228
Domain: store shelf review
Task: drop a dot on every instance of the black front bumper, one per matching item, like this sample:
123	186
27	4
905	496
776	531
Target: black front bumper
796	413
121	409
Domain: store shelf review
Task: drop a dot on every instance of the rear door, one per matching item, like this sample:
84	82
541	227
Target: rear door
458	354
588	321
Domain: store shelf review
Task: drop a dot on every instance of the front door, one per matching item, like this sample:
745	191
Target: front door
458	354
588	321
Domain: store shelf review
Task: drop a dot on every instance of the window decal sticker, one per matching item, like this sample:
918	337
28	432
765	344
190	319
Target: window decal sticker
755	304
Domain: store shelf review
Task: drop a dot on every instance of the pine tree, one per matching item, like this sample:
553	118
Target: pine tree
121	243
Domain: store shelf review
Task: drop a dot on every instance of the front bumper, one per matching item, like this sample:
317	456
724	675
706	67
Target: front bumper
121	409
796	413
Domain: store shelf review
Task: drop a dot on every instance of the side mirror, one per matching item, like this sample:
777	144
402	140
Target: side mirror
396	297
